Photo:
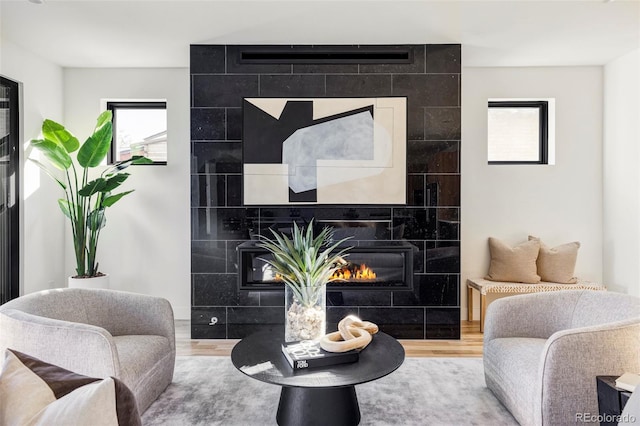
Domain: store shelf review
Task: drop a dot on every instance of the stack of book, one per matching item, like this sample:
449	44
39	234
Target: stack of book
308	354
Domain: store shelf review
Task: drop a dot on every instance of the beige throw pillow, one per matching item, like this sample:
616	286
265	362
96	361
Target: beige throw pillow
557	264
513	264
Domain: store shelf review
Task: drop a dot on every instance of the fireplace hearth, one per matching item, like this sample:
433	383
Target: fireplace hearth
371	265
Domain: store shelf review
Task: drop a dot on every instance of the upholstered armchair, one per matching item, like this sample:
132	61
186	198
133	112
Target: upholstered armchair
543	351
97	333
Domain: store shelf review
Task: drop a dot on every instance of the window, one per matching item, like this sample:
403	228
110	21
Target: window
139	128
518	132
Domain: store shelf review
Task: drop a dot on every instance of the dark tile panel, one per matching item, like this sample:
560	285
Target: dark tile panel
207	124
223	223
216	157
427	89
418	255
430	290
415	123
448	223
209	323
443	323
234	124
443	256
232	256
359	298
221	290
433	156
208	190
442	123
415	223
234	190
416	66
443	190
444	58
224	91
415	190
234	66
401	323
208	256
272	298
358	85
243	321
325	68
207	59
282	86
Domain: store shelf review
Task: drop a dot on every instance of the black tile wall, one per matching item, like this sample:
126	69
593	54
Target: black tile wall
431	81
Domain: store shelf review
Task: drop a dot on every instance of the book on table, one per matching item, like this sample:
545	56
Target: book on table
308	354
628	381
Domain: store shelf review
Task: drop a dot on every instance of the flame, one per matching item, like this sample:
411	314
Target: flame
354	272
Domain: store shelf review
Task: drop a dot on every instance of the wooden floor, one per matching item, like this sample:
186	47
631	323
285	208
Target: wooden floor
469	345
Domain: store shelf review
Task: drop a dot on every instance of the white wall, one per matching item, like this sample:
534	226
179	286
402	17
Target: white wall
42	223
145	246
621	174
559	203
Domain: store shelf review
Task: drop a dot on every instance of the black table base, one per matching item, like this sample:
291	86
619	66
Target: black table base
318	406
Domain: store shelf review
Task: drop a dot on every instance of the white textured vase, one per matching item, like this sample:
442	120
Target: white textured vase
305	322
94	282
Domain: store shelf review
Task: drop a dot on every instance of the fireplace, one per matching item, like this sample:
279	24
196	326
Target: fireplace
371	265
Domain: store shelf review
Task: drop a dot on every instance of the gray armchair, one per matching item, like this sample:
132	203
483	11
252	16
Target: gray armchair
543	351
98	333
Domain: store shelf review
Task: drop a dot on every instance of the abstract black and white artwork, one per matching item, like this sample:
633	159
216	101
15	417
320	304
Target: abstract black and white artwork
324	151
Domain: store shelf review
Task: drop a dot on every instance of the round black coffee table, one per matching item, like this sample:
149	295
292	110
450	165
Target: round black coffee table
319	396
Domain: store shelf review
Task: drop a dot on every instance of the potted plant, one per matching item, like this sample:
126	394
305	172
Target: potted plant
305	264
85	201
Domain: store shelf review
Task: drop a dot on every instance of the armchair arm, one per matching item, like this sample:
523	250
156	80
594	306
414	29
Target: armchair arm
82	348
123	313
536	315
572	359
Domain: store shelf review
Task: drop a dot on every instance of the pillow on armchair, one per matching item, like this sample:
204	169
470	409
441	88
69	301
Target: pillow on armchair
37	393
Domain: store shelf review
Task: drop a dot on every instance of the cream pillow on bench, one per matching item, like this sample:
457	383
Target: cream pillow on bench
513	264
557	264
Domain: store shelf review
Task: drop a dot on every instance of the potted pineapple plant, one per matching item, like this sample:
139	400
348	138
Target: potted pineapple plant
305	263
85	199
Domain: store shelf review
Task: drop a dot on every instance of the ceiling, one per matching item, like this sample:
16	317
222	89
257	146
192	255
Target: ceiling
148	33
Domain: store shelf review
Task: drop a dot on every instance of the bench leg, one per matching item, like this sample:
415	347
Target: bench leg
483	309
469	304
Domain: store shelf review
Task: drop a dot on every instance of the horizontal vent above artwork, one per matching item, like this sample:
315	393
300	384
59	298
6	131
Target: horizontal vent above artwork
339	55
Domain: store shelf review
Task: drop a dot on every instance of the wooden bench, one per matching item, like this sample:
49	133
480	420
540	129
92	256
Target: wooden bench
495	287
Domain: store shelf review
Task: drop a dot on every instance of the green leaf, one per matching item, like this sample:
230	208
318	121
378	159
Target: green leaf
112	199
57	133
93	187
48	172
139	159
106	116
65	207
115	181
96	220
95	149
55	153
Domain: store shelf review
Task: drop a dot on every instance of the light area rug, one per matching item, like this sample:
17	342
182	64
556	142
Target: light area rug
423	391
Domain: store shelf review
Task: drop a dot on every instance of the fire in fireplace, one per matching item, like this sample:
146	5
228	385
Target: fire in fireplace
370	265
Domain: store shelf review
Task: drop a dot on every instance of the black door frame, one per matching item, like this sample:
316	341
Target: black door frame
13	274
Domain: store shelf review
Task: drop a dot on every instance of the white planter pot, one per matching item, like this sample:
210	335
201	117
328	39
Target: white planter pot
95	282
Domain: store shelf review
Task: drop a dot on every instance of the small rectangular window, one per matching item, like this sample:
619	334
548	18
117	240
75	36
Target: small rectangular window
139	128
518	132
